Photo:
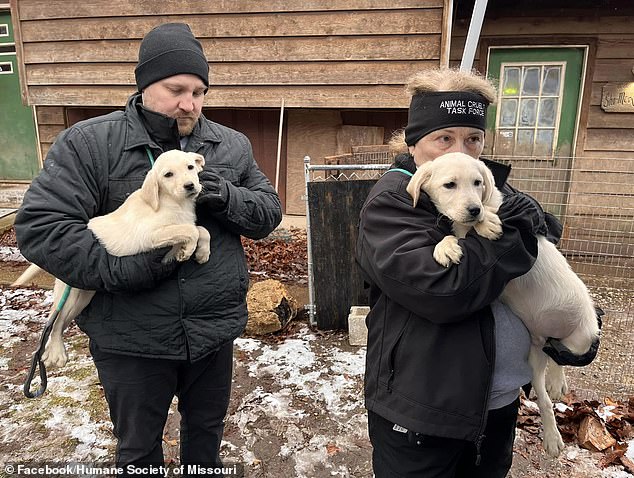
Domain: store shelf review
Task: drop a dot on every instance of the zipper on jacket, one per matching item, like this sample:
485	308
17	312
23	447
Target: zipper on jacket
485	415
478	446
390	379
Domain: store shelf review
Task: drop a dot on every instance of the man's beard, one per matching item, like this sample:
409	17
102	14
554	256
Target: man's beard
186	125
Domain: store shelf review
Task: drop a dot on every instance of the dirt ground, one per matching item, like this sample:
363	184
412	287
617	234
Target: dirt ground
296	408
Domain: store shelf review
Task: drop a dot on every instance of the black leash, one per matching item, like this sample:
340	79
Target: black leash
36	361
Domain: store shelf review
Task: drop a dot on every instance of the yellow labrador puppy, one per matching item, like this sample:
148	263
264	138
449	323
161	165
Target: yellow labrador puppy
550	299
161	213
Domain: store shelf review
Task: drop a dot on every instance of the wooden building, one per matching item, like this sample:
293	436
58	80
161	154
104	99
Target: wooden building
329	65
334	71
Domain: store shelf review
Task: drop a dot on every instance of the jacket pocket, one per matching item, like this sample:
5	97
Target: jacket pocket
392	356
118	192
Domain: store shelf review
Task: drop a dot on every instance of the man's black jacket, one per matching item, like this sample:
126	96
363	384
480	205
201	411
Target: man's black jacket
142	308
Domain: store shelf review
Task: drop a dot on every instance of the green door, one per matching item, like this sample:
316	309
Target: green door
18	141
537	109
534	122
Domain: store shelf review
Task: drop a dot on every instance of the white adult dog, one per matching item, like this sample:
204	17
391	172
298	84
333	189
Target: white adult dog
159	214
550	299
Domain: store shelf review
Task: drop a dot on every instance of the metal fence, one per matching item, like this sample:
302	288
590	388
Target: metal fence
593	197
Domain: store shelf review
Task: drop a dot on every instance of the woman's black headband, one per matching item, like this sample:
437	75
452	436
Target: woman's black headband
443	109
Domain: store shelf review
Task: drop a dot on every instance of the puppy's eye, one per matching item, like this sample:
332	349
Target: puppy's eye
190	166
449	185
477	182
168	174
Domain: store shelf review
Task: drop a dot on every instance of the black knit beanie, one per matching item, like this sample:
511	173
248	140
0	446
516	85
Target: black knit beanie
167	50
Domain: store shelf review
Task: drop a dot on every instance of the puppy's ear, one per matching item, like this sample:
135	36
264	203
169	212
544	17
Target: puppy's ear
422	175
150	189
490	195
200	161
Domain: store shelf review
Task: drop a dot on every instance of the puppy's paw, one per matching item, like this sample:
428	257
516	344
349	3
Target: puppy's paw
184	253
203	248
490	227
448	251
54	355
553	444
202	254
556	384
185	250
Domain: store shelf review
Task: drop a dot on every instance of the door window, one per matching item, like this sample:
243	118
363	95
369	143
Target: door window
538	96
529	108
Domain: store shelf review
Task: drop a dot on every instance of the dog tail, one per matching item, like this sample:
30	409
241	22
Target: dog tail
27	276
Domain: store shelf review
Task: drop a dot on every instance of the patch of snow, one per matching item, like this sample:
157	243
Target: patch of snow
78	424
4	363
605	412
11	254
247	345
312	456
562	407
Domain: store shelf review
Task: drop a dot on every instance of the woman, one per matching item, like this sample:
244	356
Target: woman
445	359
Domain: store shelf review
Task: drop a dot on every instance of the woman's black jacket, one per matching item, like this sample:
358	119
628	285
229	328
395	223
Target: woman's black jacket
431	346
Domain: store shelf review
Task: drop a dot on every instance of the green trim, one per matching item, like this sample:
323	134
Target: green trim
404	171
150	156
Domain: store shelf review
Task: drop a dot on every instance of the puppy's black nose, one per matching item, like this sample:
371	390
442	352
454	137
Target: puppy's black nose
189	186
474	211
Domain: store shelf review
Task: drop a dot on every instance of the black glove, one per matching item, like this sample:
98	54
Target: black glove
524	212
563	356
215	192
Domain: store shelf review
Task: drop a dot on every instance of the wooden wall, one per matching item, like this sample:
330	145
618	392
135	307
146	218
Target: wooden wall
50	120
312	53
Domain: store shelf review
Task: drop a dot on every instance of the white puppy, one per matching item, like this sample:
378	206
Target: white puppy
550	299
161	213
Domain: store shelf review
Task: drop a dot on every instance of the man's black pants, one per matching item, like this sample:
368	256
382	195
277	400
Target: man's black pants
139	392
409	455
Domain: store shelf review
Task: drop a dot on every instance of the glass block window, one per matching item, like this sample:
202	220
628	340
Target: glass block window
529	107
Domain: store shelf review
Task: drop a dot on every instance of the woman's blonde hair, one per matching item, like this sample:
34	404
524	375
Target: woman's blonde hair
444	79
448	79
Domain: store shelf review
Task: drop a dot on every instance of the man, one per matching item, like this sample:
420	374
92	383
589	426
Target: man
156	330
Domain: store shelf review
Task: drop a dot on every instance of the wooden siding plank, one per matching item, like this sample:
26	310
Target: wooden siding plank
44	147
599	119
308	96
50	115
417	47
48	133
605	159
616	139
261	73
43	9
616	46
532	27
612	71
604	204
232	26
606	183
